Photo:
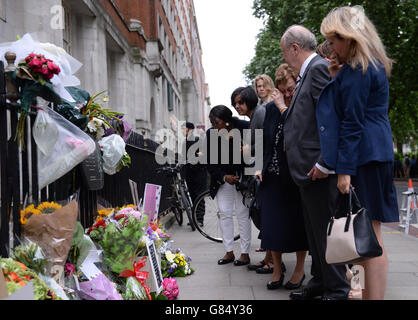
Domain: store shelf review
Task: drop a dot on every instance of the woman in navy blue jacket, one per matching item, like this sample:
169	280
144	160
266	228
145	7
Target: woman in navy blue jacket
355	134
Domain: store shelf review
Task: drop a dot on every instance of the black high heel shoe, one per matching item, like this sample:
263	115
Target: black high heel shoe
272	285
294	286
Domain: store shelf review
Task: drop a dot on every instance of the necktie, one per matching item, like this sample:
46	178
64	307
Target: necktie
298	80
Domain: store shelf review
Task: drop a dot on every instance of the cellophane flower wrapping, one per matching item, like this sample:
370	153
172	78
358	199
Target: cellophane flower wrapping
100	288
53	232
134	290
67	64
61	145
31	255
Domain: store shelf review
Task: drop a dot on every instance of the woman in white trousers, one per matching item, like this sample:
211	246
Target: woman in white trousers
230	200
224	178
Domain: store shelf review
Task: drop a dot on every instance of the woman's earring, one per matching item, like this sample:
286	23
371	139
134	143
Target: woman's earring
227	124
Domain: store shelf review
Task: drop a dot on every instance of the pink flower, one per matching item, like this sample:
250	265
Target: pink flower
171	289
69	269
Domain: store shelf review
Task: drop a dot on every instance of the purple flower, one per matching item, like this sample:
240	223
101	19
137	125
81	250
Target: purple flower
151	234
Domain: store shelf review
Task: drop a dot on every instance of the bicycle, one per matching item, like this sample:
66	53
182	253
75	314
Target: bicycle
180	199
211	228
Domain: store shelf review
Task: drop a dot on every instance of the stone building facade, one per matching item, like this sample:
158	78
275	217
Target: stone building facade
146	53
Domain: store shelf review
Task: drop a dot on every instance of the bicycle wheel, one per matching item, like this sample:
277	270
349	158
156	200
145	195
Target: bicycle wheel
187	207
211	228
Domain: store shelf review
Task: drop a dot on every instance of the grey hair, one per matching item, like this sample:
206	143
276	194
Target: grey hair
300	35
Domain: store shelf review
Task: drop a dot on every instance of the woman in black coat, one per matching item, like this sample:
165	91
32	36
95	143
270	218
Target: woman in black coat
282	224
225	175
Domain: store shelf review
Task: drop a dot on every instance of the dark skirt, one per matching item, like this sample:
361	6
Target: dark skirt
282	225
376	191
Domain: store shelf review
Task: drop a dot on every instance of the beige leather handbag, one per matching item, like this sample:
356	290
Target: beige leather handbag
351	238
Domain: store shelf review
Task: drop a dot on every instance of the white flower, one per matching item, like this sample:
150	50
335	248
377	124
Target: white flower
170	256
95	124
100	133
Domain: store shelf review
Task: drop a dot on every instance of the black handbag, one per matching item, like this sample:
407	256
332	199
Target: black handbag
250	200
351	238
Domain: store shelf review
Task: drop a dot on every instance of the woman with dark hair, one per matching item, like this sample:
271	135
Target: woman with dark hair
245	101
224	177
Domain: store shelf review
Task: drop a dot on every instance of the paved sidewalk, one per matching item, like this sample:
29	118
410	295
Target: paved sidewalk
228	282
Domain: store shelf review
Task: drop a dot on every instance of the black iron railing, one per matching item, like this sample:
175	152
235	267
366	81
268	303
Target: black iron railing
19	176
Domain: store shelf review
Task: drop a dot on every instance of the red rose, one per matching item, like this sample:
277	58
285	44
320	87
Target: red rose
46	73
35	64
53	68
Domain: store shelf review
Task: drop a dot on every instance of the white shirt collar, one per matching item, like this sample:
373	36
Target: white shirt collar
306	63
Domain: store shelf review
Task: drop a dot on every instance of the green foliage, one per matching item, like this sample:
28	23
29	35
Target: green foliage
30	254
80	246
397	25
121	243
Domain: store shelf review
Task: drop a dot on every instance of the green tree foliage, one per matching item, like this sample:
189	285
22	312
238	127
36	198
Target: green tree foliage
397	25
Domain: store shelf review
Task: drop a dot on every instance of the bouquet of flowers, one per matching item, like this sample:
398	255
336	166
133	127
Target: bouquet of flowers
17	275
51	226
35	72
121	239
37	68
175	264
156	232
31	255
100	117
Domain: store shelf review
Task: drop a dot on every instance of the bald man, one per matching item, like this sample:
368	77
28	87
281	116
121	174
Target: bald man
317	184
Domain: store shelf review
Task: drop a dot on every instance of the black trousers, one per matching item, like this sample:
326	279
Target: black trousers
319	201
196	179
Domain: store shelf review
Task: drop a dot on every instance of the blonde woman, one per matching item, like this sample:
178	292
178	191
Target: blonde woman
355	134
264	87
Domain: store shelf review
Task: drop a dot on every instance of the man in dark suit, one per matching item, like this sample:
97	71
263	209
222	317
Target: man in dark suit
195	174
317	184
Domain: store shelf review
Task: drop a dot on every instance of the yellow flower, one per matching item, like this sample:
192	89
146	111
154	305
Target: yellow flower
23	220
27	213
48	207
104	212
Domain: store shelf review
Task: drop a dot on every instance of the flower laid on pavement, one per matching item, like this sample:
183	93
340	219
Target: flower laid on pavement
171	289
175	264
